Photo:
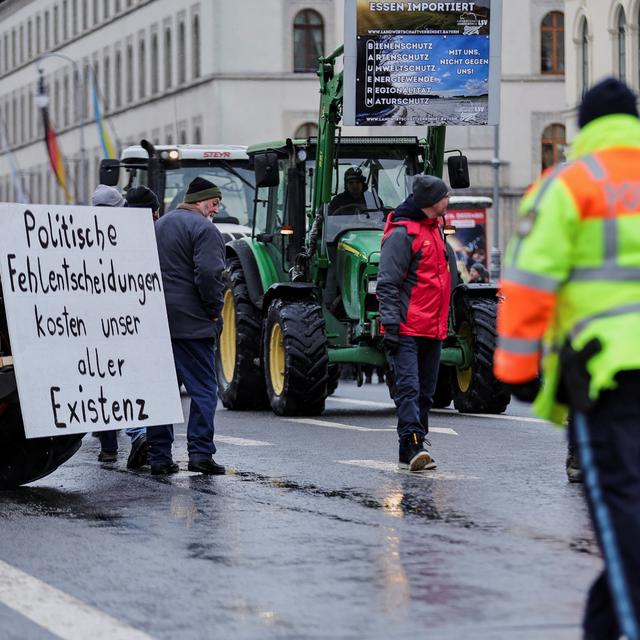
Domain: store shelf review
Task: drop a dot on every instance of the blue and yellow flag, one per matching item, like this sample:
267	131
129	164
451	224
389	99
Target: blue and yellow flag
108	150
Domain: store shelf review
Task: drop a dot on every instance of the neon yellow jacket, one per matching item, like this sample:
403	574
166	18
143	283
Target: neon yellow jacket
573	269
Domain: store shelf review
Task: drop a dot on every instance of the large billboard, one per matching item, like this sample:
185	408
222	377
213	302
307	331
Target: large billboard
422	63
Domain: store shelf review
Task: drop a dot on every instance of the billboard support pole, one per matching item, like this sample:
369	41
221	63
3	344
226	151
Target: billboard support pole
495	249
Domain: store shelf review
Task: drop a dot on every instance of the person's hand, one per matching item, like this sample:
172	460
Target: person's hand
525	391
391	339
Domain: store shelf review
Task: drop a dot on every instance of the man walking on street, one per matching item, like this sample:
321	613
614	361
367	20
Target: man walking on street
414	286
191	251
572	296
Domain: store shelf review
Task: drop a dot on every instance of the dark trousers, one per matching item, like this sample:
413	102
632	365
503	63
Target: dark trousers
195	366
608	441
415	364
108	441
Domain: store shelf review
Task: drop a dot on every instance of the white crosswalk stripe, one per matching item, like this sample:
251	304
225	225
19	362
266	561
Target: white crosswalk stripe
351	427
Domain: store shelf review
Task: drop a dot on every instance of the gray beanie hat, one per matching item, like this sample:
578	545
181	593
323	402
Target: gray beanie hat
105	196
427	190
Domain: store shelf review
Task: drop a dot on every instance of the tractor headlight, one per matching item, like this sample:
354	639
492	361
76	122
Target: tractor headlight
372	285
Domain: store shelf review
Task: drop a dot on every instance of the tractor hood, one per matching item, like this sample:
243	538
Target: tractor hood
363	244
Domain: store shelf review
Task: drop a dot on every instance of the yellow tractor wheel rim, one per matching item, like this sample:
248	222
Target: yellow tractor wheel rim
228	337
465	376
276	359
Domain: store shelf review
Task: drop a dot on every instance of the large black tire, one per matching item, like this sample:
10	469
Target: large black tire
240	377
296	362
443	394
476	390
22	460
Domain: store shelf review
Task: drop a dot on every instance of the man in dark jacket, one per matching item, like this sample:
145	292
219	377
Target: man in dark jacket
414	285
352	198
191	251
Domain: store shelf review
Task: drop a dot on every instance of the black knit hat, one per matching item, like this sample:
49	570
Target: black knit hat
427	190
352	173
606	98
201	189
142	198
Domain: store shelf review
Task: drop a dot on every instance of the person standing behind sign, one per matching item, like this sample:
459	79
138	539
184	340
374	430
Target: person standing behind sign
192	259
105	196
414	285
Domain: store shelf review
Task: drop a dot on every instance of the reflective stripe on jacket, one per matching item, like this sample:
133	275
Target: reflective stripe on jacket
414	281
573	270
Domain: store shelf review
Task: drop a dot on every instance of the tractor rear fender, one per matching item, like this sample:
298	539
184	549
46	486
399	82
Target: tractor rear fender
289	291
488	291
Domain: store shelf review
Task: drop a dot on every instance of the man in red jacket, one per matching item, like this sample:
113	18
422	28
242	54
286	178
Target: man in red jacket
414	285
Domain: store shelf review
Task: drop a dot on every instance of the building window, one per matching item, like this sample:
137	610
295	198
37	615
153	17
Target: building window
107	84
621	43
29	39
553	145
56	101
14	49
21	44
74	17
65	23
552	43
96	10
118	80
167	58
30	114
129	73
56	21
105	9
22	118
117	7
306	130
155	83
85	14
182	138
308	40
584	55
142	70
65	100
38	30
46	31
197	136
195	44
182	54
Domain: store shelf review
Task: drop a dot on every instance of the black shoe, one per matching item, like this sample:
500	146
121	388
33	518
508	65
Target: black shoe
138	454
574	472
107	456
413	455
208	467
164	469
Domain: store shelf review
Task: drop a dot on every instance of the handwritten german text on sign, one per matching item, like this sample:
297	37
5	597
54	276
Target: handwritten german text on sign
87	320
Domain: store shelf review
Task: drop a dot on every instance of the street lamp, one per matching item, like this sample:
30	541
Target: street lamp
42	101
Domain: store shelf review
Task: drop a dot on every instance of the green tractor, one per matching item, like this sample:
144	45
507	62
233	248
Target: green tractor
301	291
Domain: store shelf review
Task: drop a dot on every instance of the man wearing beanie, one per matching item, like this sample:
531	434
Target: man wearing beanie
414	286
192	259
352	197
143	198
572	302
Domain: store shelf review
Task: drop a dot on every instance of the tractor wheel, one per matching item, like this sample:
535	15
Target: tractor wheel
240	377
475	389
295	358
334	378
443	394
22	460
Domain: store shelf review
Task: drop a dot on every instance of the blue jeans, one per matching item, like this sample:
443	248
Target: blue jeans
195	366
416	369
135	433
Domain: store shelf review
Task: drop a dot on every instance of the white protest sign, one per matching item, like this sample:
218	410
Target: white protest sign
87	319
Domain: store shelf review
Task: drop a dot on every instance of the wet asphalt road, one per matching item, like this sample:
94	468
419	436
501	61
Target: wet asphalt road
314	533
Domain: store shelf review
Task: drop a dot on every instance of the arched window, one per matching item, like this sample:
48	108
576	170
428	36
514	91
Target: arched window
195	47
129	73
584	56
621	43
553	145
306	130
118	80
182	54
552	43
167	58
308	40
142	70
155	82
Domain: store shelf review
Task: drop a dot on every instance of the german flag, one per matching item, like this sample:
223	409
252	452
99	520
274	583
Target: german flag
55	157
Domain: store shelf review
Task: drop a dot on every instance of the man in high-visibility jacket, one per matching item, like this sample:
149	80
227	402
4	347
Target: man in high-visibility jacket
572	300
